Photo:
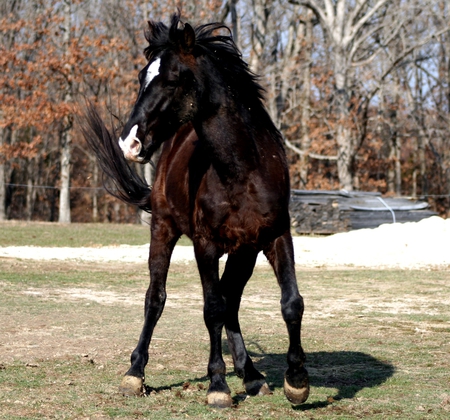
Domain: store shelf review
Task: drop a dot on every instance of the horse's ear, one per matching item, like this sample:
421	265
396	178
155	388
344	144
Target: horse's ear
188	38
150	32
151	28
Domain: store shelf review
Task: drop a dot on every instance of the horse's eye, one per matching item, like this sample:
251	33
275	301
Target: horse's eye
172	79
171	82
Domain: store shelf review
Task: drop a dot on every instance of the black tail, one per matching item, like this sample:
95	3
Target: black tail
119	179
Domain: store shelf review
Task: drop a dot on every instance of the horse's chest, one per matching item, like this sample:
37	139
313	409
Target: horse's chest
232	222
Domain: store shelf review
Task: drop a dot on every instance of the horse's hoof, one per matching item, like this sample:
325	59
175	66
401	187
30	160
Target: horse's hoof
296	395
257	387
131	386
296	385
219	399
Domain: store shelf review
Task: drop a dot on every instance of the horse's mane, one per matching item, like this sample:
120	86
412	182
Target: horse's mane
219	48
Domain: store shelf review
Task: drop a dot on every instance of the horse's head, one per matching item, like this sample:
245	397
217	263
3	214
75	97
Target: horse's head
190	74
168	91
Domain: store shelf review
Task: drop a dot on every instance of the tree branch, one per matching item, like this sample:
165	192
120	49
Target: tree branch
312	5
362	39
404	54
309	154
356	27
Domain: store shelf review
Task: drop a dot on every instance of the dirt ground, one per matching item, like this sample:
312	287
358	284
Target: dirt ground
68	328
33	337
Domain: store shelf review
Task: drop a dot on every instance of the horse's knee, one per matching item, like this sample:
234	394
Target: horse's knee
155	300
214	313
292	309
155	296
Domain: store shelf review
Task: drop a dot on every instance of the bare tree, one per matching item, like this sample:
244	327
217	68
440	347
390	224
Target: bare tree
359	89
9	11
299	44
410	69
349	26
66	131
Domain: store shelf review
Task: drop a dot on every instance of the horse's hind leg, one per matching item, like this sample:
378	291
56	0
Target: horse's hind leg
281	255
238	270
160	252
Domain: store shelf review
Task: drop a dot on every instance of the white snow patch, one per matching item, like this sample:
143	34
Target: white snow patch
423	244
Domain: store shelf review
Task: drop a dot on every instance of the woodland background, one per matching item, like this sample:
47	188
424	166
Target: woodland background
360	89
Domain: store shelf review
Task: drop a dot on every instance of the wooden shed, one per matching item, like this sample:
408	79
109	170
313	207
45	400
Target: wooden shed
327	212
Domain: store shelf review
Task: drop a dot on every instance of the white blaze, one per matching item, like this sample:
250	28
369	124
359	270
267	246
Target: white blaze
152	72
131	146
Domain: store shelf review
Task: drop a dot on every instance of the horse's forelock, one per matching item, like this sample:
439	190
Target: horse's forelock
209	36
160	37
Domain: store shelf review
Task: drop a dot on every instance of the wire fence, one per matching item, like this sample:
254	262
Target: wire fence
52	187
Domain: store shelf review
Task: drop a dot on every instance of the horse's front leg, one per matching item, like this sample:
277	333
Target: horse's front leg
214	312
281	255
160	252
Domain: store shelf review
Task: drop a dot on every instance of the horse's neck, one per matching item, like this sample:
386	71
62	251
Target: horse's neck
231	144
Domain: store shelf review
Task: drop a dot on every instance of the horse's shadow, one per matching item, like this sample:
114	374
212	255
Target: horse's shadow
347	371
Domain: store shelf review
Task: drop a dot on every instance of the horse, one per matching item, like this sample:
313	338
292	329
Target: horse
222	180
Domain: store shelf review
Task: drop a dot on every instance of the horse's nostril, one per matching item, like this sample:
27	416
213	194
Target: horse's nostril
135	145
131	146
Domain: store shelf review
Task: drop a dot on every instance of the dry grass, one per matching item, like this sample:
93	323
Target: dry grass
378	344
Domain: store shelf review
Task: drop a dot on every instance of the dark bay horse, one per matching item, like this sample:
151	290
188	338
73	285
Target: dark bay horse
222	180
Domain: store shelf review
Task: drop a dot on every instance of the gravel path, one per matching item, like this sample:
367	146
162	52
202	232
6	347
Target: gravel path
424	244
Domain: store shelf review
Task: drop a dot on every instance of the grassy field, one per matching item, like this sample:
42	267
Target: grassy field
377	342
14	233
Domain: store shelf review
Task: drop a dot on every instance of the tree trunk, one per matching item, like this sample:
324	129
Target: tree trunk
64	195
343	131
422	135
116	207
2	181
31	190
444	76
305	141
66	136
344	157
235	23
95	192
2	193
261	10
284	77
394	176
394	180
421	161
